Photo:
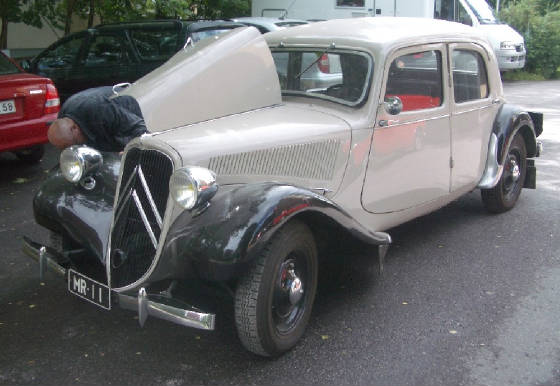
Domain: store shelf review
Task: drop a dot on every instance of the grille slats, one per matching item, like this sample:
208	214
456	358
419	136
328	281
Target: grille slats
308	160
132	245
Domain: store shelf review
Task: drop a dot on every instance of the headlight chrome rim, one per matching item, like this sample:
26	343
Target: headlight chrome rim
192	186
79	162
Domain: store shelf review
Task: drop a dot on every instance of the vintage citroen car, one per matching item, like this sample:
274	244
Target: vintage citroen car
245	180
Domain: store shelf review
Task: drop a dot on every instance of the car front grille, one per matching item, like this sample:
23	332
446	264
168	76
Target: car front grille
139	215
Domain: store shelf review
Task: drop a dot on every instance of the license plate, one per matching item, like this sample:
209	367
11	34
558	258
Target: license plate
89	289
7	107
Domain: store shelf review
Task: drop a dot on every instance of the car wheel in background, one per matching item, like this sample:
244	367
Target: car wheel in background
32	154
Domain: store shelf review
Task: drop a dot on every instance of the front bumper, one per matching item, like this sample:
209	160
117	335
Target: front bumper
511	60
159	306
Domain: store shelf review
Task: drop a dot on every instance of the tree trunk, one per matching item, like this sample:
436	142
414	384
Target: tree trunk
91	13
69	12
4	34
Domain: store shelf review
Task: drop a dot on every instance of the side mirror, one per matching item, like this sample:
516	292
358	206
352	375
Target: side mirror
393	105
26	65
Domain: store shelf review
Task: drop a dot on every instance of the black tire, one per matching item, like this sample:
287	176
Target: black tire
504	195
268	322
33	154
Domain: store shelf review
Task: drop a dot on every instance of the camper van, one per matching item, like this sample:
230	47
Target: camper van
506	42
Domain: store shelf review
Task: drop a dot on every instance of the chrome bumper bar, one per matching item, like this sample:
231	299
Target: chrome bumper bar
145	304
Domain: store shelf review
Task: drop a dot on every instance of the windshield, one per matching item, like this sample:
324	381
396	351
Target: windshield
7	67
483	12
334	75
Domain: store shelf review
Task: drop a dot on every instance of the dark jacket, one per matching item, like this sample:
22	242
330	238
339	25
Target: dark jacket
107	122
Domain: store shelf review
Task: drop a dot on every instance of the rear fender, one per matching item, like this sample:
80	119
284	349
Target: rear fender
510	120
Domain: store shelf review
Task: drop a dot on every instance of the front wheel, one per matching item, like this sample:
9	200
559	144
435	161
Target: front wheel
273	300
504	195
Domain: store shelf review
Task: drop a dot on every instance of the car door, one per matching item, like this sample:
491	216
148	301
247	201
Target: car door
409	162
472	113
60	63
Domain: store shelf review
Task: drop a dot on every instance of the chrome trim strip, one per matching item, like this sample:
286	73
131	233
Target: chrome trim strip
121	205
41	254
145	219
493	170
397	122
149	195
181	314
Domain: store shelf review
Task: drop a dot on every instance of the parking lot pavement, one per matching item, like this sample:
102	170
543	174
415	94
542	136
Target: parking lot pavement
467	298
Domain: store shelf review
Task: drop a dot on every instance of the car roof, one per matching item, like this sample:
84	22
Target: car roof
374	33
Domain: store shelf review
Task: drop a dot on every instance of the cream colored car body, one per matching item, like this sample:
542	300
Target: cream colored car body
219	106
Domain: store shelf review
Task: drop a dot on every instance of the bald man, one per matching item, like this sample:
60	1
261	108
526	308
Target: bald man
96	118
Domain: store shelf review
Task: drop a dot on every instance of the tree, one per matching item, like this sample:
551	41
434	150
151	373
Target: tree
30	12
539	23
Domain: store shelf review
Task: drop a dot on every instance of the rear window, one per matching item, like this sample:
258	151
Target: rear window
155	44
7	67
334	75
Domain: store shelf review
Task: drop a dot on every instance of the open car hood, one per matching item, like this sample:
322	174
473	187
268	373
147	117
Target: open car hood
226	74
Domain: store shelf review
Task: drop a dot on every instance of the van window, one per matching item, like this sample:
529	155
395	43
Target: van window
350	3
417	80
470	80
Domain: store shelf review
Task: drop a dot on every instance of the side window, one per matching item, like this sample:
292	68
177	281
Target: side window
417	80
106	49
155	44
470	80
62	55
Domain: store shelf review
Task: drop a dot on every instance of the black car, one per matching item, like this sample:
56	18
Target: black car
115	53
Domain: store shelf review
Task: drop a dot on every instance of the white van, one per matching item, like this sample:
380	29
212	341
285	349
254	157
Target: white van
507	43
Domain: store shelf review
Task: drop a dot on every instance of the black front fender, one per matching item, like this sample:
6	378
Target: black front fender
81	214
240	220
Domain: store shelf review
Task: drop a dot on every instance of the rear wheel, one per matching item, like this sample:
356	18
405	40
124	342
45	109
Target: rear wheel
273	300
32	154
504	195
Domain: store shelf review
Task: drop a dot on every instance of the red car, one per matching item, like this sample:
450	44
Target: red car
28	104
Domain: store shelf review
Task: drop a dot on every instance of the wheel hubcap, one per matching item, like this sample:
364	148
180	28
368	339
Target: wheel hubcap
288	302
515	172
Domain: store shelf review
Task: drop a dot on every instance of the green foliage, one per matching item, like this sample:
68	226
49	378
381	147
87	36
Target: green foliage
222	9
539	23
521	75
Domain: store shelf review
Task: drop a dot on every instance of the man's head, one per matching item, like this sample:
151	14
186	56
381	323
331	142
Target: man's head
64	132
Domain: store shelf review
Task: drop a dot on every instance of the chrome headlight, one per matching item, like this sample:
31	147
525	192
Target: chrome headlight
77	162
192	186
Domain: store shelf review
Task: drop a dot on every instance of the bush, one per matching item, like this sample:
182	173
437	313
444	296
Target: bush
540	26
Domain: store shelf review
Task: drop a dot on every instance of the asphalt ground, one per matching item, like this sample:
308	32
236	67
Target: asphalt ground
467	298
